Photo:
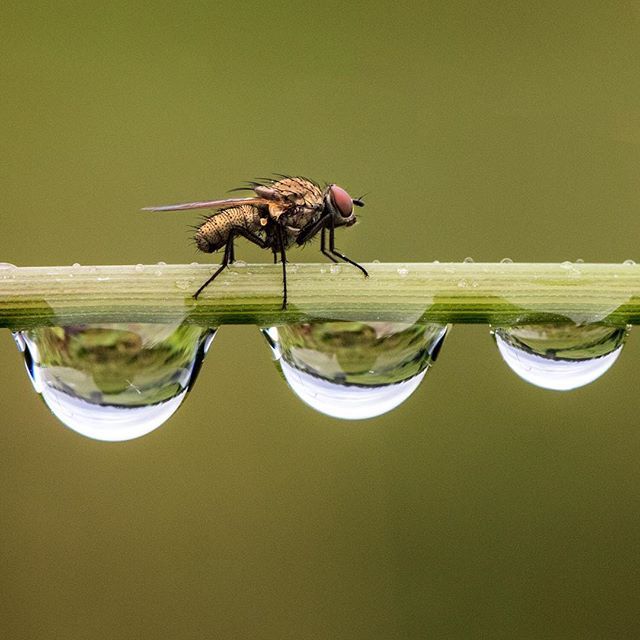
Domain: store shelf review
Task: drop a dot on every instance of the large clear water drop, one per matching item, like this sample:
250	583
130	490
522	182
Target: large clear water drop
562	356
355	370
114	382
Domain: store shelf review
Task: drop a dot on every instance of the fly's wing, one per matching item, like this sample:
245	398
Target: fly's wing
209	204
279	196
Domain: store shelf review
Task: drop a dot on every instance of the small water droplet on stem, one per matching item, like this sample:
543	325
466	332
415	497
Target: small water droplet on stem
183	284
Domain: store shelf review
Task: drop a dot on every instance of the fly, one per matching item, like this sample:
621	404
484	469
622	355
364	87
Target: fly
281	213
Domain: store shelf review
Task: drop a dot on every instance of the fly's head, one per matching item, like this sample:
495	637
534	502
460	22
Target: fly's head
340	205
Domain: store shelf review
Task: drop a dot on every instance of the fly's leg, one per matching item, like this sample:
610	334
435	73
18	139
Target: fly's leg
310	230
283	258
322	245
229	254
221	268
335	252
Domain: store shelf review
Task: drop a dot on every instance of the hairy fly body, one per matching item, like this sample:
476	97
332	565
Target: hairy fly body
281	213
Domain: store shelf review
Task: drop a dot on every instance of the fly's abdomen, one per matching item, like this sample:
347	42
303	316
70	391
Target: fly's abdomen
214	232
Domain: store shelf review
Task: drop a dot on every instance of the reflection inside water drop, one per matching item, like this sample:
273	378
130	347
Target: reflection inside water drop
114	381
355	370
562	356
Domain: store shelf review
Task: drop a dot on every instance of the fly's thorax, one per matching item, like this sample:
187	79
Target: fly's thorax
298	191
300	217
214	232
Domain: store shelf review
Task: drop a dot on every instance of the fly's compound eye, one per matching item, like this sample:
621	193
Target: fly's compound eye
341	200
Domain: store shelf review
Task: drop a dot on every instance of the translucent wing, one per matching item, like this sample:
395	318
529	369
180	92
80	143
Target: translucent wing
283	193
209	204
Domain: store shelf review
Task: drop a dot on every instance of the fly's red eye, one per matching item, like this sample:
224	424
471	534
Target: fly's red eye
341	200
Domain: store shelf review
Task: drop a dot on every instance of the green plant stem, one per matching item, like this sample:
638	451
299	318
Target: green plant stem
497	293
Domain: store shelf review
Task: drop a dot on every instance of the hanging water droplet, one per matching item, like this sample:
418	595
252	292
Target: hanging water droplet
114	381
560	357
468	260
355	370
403	271
629	263
208	339
19	340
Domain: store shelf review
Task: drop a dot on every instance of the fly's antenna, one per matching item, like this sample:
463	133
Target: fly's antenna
359	201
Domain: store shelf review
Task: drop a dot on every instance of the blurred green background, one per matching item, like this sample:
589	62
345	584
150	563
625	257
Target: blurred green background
481	508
